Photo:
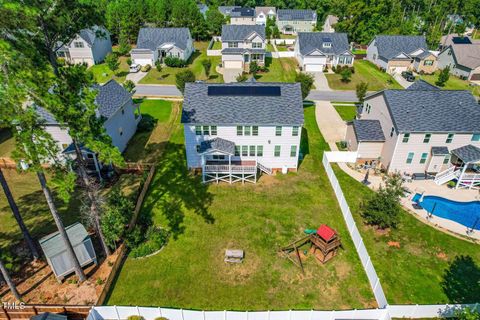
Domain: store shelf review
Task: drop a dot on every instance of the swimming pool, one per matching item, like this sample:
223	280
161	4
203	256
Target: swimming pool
465	213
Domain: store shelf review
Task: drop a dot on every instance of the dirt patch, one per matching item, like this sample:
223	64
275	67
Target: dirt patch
442	256
394	244
382	232
343	269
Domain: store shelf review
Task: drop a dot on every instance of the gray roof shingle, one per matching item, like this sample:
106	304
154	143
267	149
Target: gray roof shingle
432	110
152	38
226	10
391	46
309	41
242	50
232	32
440	151
47	117
242	12
286	108
219	144
111	96
295	14
422	85
368	130
468	153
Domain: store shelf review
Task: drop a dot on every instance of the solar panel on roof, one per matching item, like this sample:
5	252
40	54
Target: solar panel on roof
461	40
263	91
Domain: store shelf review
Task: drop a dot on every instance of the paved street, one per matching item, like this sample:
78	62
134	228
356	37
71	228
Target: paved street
331	95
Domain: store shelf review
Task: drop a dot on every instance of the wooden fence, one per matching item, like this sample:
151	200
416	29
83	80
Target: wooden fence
7	163
27	311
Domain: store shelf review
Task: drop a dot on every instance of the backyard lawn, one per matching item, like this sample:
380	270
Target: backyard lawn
279	70
204	220
416	263
453	83
102	73
167	75
367	72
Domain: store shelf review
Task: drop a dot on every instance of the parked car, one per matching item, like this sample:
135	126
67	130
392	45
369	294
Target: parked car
135	68
408	75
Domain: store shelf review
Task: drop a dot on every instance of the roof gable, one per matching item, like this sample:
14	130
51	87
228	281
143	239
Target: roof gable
467	55
152	38
110	97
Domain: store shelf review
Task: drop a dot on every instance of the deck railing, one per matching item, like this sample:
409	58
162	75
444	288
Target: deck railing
225	168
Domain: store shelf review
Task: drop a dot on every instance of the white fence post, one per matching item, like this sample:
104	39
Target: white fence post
116	311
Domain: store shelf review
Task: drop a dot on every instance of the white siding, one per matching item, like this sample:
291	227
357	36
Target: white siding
60	135
81	55
266	138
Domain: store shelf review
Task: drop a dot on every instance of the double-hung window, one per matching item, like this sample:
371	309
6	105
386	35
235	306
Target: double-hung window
206	130
295	131
255	131
476	137
293	151
406	137
256	45
276	152
278	130
78	44
244	151
237	151
239	131
213	130
246	130
410	157
449	138
198	130
259	151
392	131
233	44
252	151
446	160
426	138
423	158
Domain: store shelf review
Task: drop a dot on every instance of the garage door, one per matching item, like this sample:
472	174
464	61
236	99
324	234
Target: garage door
475	77
233	64
397	69
314	67
142	62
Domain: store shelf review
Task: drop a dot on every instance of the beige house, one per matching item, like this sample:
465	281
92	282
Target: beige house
239	16
290	21
426	130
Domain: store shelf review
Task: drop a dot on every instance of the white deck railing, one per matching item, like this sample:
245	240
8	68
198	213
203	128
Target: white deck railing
225	168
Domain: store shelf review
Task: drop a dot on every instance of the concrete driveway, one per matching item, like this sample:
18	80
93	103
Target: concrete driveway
230	75
321	82
136	76
401	80
333	128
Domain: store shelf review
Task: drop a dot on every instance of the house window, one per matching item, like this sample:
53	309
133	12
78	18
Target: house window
427	137
78	44
239	131
392	131
276	152
218	157
198	130
255	131
406	137
244	151
256	45
246	130
423	159
428	63
233	44
252	151
348	60
259	151
237	151
476	137
123	111
213	130
341	60
206	130
327	44
446	159
120	130
295	131
449	138
293	151
278	131
410	157
197	147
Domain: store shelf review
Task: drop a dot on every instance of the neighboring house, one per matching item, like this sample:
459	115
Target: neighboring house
242	44
227	10
155	44
330	21
239	16
454	38
291	21
424	130
425	62
203	8
397	53
262	13
234	131
89	46
463	59
315	50
115	106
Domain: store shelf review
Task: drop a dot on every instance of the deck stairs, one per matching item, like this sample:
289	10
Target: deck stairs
447	175
264	169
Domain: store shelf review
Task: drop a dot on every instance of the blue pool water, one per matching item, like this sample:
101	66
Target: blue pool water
465	213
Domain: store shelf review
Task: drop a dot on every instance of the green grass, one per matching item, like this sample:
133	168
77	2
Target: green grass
367	72
7	143
282	48
160	110
102	73
217	45
167	75
347	113
270	48
360	51
413	273
287	36
476	34
207	219
279	70
453	83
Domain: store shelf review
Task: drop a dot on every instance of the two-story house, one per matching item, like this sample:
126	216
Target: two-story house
234	131
396	54
463	58
227	10
242	16
89	46
316	50
292	21
155	44
419	130
242	44
262	13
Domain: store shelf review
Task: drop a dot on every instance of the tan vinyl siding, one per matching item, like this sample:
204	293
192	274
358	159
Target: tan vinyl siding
370	150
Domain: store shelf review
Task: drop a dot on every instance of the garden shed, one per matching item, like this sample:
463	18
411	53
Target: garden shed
56	252
49	316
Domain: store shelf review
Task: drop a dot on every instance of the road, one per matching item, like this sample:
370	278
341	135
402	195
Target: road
171	91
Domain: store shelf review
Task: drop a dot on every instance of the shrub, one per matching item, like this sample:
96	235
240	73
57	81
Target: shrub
253	68
146	68
182	78
242	77
162	318
135	318
129	61
175	62
158	66
112	62
135	237
443	77
117	212
306	83
129	85
346	74
207	65
124	47
155	239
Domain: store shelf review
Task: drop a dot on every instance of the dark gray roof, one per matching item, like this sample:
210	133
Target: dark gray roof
368	130
440	151
432	110
242	12
152	38
391	46
310	41
293	14
242	50
45	115
49	316
226	10
468	153
88	35
52	244
111	96
219	144
286	108
231	32
422	85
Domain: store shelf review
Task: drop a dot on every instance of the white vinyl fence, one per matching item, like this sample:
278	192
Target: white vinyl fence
427	311
356	237
284	41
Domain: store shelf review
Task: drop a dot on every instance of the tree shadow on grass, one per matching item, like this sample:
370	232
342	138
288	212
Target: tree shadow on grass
175	189
461	281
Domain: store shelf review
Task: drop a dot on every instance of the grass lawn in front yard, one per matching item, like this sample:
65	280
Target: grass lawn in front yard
279	70
346	112
367	72
453	83
167	75
102	73
416	263
204	220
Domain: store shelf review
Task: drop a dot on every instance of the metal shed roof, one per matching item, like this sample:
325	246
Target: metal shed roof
49	316
53	245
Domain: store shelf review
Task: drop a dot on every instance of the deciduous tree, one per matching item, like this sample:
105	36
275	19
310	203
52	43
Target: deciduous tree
306	83
182	78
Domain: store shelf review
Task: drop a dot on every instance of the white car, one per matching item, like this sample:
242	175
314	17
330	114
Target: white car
135	68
